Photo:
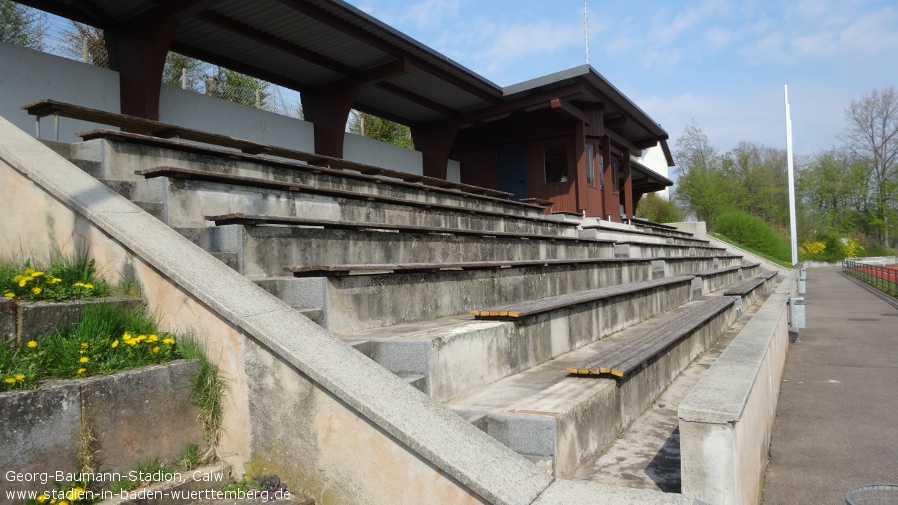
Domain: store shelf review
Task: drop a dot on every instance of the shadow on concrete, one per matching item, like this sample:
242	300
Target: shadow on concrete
664	468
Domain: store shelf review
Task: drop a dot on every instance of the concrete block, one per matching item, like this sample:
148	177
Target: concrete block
39	433
7	319
39	318
142	414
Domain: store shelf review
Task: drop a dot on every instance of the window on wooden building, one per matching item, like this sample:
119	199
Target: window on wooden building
556	164
590	164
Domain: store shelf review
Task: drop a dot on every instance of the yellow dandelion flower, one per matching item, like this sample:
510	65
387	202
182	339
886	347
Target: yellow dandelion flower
32	344
131	342
36	290
36	274
126	336
10	380
84	359
76	493
18	278
88	286
55	280
42	498
84	345
114	344
81	371
168	341
141	338
24	281
153	338
63	502
9	294
20	377
78	284
29	271
156	349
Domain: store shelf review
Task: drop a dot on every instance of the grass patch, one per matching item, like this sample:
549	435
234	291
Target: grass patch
67	278
207	390
107	339
760	254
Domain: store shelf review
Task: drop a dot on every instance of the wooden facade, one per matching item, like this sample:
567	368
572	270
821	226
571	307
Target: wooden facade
558	152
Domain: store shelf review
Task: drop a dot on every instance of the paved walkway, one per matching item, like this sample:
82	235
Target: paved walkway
837	420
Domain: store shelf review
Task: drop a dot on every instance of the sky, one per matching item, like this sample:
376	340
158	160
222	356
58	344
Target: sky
719	63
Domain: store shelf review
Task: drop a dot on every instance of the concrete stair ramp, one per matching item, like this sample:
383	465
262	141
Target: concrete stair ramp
458	354
564	421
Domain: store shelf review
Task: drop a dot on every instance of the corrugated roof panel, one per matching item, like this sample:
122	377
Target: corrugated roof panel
438	90
397	105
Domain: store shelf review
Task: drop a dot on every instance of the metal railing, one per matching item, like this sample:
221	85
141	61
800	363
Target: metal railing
878	274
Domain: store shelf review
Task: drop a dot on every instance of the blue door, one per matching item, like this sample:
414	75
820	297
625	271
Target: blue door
511	171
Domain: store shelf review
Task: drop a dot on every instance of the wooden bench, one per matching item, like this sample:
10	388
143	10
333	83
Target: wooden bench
48	107
135	138
532	307
342	270
253	219
718	271
633	353
253	182
748	285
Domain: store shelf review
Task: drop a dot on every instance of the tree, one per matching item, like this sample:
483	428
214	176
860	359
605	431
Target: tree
761	181
703	188
871	135
178	66
20	25
237	87
384	130
658	209
88	44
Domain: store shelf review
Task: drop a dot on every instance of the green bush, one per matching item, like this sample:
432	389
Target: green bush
658	210
753	233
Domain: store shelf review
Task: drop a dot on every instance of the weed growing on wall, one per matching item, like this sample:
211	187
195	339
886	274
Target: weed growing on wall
105	340
64	279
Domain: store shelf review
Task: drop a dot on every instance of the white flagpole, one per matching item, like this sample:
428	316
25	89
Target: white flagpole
586	28
792	218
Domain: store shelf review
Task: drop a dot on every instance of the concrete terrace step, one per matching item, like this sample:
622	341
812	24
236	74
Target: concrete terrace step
369	299
458	353
549	415
117	155
189	195
264	251
637	249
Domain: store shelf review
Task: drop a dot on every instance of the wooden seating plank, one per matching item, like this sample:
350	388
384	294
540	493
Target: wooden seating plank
252	219
346	269
747	286
541	305
626	356
185	173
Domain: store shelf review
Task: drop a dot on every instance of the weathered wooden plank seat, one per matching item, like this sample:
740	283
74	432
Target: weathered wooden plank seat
677	235
254	182
342	270
748	285
136	138
629	355
49	107
532	307
252	219
717	271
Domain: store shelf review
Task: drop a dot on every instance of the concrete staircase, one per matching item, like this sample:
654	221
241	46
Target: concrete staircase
507	377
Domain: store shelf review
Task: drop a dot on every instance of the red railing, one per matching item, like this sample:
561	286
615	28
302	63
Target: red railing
884	278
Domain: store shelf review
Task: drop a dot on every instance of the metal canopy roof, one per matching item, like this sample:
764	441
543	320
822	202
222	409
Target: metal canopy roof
310	44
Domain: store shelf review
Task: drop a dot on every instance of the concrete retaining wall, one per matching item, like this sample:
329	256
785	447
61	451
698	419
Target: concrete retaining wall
727	421
26	320
40	429
300	403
